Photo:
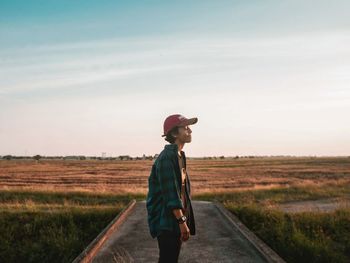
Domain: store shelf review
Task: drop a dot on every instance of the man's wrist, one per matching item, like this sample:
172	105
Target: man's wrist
181	219
177	213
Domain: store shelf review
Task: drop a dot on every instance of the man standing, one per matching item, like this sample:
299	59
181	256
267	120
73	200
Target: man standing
170	213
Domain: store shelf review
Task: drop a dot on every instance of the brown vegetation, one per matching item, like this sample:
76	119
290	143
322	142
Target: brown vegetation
215	176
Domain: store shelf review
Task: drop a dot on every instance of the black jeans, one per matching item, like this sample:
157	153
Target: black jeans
169	244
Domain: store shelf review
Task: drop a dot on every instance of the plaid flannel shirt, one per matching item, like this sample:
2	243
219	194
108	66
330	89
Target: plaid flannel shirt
164	193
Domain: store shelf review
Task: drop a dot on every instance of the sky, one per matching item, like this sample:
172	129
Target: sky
90	77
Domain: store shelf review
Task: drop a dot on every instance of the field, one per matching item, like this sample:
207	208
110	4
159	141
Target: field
64	204
218	175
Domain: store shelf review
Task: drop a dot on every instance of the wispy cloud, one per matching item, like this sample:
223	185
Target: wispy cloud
44	68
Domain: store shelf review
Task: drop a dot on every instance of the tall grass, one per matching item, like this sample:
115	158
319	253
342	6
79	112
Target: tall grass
59	197
52	227
300	237
49	237
277	195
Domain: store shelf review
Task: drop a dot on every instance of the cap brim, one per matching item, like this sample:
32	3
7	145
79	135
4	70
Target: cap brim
187	122
190	121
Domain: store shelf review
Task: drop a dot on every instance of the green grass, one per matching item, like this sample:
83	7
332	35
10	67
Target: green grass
49	237
300	237
78	198
52	227
277	195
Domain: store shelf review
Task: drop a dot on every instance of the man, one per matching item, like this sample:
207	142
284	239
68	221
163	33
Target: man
170	213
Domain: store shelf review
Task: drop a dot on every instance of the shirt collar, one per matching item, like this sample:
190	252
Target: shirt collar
173	147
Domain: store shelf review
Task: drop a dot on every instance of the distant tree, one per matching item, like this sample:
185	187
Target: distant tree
222	157
124	157
37	157
7	157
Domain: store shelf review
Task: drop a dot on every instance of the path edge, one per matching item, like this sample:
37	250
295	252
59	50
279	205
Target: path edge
93	248
268	253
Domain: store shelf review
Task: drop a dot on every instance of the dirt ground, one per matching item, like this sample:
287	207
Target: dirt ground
321	205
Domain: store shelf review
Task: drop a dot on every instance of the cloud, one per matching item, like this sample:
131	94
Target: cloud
255	61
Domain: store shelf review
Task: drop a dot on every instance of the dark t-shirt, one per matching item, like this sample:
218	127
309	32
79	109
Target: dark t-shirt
183	185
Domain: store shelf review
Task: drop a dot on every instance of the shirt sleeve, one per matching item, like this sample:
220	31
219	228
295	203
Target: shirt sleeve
168	184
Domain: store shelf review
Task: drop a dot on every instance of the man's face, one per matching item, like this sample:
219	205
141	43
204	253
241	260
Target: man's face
184	135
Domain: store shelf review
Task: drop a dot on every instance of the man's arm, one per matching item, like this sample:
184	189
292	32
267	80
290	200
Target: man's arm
178	213
169	187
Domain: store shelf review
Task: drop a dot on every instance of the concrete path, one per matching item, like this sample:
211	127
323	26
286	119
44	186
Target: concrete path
217	239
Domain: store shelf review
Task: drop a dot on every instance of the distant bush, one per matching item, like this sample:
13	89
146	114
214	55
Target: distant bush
37	157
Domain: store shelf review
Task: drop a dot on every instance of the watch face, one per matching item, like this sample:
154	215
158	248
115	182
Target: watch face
182	219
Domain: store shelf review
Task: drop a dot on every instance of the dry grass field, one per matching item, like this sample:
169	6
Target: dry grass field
207	176
82	196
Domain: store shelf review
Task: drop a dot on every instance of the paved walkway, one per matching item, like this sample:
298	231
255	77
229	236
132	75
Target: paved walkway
216	240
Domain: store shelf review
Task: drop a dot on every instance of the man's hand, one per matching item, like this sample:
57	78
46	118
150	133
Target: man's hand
185	232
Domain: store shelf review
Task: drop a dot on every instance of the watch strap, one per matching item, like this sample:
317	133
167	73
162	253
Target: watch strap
182	219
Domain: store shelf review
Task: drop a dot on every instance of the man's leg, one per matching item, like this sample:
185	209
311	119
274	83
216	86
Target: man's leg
169	247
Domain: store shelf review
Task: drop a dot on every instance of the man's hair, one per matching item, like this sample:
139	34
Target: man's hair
169	136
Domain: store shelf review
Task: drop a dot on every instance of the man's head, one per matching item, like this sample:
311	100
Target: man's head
180	133
176	128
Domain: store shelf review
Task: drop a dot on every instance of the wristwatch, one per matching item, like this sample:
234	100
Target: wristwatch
182	219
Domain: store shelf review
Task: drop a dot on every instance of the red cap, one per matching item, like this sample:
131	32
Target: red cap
177	120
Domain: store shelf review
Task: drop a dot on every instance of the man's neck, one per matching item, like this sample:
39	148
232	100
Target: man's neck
180	147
